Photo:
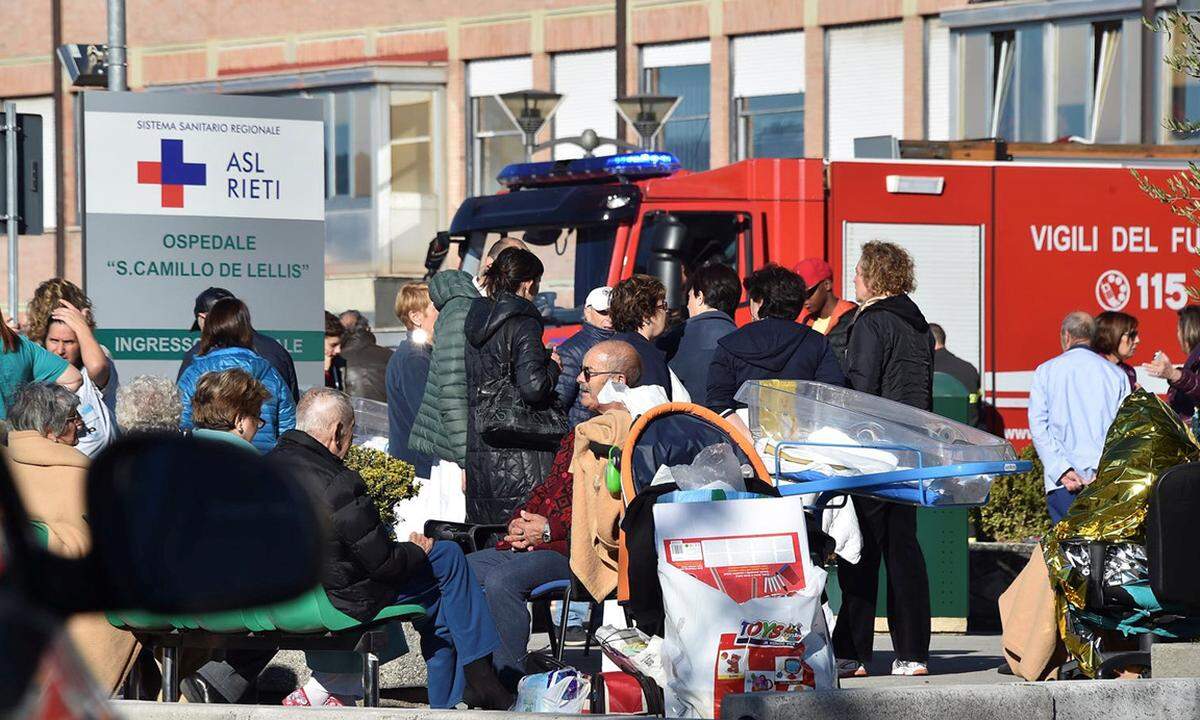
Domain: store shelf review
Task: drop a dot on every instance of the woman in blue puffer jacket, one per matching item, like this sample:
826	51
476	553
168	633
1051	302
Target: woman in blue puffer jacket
226	339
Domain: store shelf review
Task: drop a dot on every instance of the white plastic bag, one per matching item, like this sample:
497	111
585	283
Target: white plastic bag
97	417
440	497
563	691
742	602
714	468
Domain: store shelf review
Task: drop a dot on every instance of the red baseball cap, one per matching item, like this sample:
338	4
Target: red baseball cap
813	270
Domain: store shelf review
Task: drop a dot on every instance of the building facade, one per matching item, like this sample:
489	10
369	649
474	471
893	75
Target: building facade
413	125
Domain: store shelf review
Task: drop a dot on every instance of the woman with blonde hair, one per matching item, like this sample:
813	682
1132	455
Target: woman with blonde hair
889	354
407	375
61	320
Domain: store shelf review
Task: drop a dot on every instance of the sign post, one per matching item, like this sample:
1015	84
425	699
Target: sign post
10	202
183	192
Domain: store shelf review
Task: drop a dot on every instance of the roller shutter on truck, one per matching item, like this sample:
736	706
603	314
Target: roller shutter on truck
588	83
949	270
865	80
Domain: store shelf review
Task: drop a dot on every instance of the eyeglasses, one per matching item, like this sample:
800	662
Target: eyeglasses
589	373
81	429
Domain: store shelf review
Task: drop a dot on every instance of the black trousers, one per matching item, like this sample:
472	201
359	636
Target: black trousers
889	533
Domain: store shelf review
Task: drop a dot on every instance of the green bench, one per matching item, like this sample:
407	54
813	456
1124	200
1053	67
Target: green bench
309	622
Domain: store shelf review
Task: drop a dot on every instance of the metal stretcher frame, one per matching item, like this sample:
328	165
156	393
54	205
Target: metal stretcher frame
862	483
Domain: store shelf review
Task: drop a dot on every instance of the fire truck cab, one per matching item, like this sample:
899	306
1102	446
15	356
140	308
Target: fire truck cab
1003	248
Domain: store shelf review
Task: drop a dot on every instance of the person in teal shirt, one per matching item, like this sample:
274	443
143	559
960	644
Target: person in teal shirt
226	407
24	361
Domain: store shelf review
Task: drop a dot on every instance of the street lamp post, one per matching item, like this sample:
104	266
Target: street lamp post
647	114
529	110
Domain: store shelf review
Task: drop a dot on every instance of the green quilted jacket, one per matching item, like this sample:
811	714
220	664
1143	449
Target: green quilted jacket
441	425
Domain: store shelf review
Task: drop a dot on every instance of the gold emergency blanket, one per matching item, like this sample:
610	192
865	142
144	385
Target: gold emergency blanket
1145	440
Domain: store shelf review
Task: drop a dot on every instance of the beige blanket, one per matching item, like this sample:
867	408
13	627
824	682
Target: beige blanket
596	513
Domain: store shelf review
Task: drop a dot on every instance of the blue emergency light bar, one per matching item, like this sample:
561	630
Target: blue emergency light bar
630	165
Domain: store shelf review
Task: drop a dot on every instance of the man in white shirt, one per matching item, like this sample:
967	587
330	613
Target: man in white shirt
1072	403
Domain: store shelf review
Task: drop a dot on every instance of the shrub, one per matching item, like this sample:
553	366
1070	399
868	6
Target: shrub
1016	511
388	480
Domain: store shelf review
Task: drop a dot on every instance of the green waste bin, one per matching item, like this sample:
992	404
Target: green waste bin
941	533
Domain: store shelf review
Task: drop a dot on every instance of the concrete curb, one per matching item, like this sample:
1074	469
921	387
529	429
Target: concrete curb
1075	700
140	710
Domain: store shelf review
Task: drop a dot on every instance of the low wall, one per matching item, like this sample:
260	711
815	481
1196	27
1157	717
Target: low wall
1067	700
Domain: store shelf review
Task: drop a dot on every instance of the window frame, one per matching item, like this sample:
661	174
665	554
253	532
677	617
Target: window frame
744	118
476	136
650	85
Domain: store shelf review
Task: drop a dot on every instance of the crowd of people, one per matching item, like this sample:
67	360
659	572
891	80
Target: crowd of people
1075	396
499	429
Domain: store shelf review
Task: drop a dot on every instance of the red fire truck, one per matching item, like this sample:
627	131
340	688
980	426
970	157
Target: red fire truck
1003	248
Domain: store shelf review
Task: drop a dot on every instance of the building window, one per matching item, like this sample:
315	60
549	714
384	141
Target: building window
1018	85
348	146
497	143
412	142
770	126
1106	94
1089	87
685	134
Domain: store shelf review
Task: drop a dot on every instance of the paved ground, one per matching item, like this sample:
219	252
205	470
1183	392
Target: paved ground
954	660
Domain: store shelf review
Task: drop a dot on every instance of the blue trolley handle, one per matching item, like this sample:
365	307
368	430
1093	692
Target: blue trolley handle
891	477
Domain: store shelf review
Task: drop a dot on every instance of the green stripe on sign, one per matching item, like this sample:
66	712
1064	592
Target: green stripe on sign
167	344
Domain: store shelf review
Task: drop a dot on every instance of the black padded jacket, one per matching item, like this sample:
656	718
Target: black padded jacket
890	353
363	565
504	340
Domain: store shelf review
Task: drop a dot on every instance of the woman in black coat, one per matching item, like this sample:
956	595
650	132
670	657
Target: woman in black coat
890	354
504	340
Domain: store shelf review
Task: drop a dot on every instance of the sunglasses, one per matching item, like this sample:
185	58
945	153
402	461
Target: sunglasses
589	373
81	429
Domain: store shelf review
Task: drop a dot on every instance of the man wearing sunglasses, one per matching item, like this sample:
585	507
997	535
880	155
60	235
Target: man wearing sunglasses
597	327
823	310
536	550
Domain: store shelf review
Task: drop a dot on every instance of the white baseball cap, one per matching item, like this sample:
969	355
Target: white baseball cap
598	299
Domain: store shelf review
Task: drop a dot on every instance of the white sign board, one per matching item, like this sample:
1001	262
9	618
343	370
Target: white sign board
184	192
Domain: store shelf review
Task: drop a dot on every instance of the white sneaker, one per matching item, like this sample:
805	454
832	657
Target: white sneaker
909	667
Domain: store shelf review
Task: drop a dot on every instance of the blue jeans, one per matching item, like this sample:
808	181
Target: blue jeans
458	628
1058	502
508	578
578	614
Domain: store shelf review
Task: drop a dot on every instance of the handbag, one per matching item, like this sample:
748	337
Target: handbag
504	418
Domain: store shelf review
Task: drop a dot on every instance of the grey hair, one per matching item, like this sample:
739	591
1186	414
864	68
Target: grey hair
361	324
149	403
43	408
1079	326
321	408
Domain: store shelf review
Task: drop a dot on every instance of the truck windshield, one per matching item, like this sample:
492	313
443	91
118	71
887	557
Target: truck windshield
576	261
